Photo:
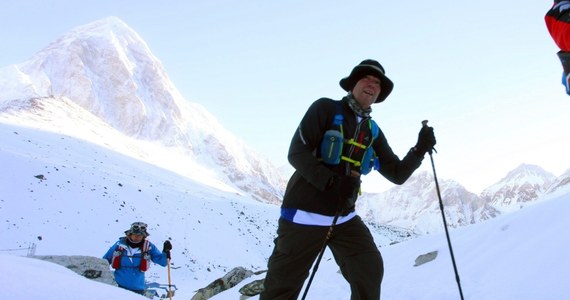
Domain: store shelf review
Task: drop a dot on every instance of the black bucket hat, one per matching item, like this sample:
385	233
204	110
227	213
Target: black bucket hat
138	228
369	67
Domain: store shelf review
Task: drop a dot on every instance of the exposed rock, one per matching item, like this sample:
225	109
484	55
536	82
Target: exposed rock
253	288
219	285
87	266
425	258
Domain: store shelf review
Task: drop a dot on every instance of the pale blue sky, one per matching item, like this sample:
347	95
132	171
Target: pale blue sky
484	73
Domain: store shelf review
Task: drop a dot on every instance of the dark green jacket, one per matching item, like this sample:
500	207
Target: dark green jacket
307	188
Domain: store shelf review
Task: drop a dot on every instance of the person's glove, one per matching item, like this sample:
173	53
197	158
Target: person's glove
167	246
346	187
426	141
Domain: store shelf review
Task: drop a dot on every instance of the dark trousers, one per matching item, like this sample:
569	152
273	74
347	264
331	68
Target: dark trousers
297	247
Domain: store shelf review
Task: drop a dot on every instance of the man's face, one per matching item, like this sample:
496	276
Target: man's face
136	238
366	90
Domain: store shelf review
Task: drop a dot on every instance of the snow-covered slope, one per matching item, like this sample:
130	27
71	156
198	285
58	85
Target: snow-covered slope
515	256
51	281
68	196
104	73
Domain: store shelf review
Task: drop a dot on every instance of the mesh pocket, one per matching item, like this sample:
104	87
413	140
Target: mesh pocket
331	147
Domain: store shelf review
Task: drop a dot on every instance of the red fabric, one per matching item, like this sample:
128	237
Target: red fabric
144	265
116	262
558	25
560	32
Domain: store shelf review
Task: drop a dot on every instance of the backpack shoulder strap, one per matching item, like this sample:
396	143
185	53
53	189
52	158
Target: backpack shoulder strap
374	128
117	254
145	258
120	245
146	247
338	117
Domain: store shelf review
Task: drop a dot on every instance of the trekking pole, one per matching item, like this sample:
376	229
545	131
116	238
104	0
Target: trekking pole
323	248
327	238
424	124
169	285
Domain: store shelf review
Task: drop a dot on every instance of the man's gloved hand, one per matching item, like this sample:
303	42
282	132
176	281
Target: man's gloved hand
346	187
167	246
426	141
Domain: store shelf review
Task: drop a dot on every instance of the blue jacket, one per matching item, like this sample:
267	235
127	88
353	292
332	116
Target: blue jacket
129	275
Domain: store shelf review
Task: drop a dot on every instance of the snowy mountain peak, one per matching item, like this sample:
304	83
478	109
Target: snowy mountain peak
106	68
104	72
560	182
110	28
107	26
415	205
528	172
523	184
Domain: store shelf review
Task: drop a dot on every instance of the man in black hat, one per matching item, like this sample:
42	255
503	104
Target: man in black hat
335	143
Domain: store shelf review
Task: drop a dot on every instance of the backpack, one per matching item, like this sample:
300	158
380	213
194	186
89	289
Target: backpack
333	144
118	254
